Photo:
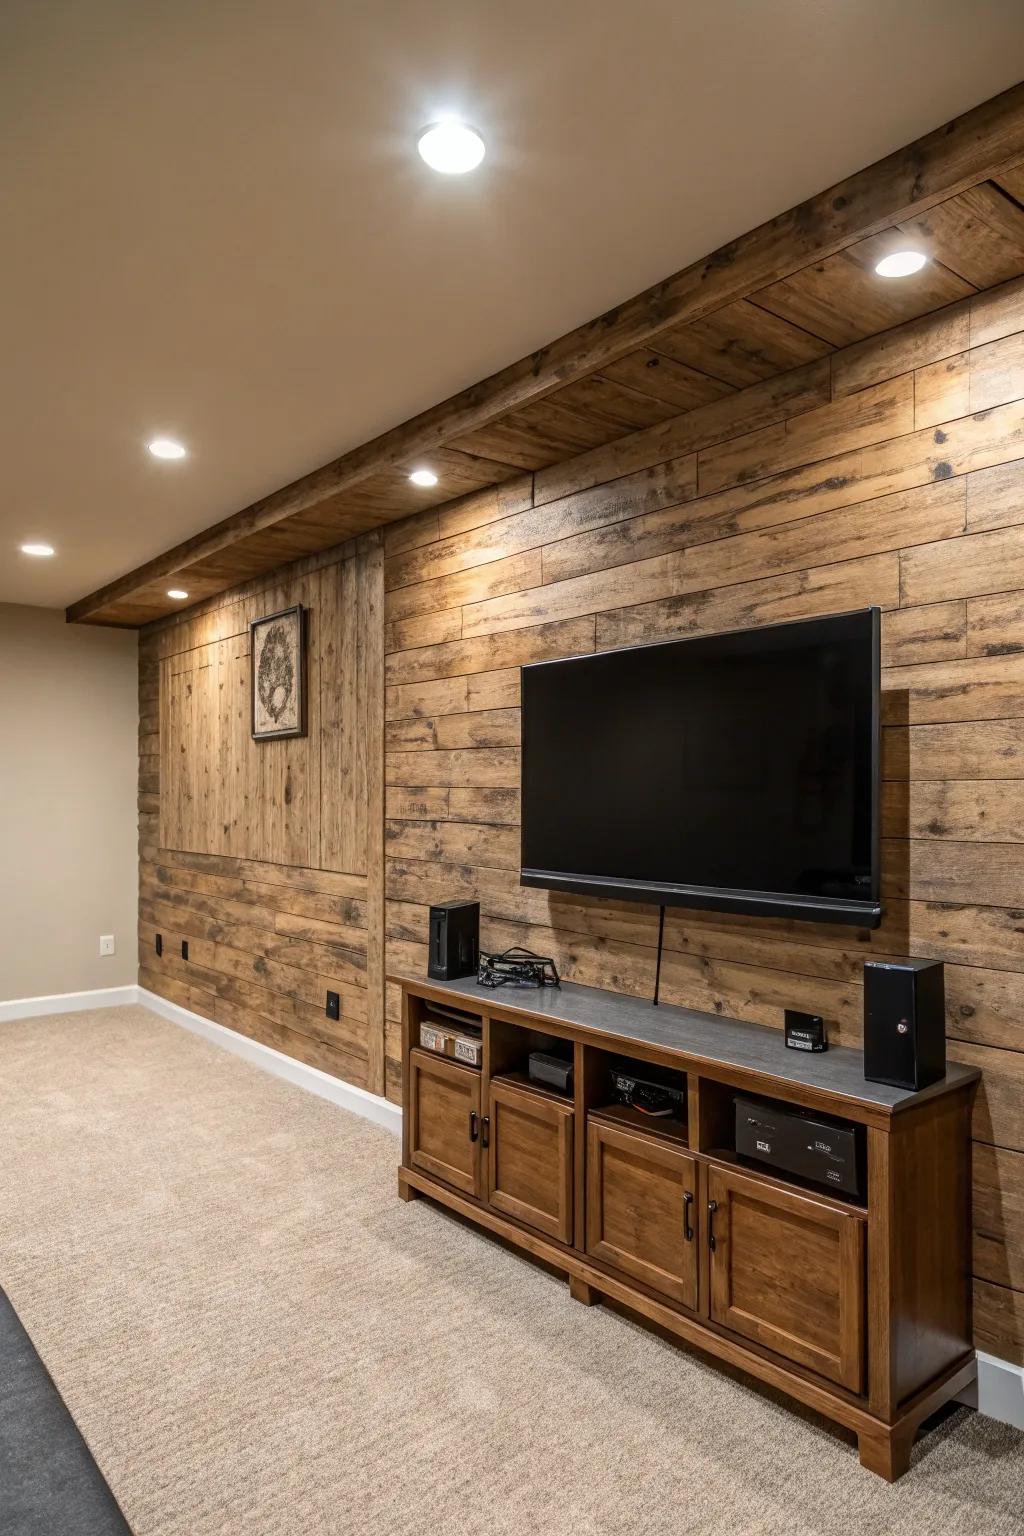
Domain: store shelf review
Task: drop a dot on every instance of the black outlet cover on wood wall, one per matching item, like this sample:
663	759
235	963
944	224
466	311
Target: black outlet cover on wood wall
184	949
333	1005
159	943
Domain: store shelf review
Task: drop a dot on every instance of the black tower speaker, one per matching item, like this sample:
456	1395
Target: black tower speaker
454	940
904	1022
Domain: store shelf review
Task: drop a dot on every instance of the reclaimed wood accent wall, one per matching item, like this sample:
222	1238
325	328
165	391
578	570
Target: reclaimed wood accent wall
890	471
266	856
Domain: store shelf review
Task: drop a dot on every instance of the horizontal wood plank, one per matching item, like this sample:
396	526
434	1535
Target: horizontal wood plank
872	415
968	567
842	535
958	810
798	390
663	485
995	625
453	695
773	599
490	653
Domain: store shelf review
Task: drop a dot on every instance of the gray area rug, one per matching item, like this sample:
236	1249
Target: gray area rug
256	1336
49	1483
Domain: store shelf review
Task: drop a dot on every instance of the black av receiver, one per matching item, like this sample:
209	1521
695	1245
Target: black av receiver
824	1152
655	1091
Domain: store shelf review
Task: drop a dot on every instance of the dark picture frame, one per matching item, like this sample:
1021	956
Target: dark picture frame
277	674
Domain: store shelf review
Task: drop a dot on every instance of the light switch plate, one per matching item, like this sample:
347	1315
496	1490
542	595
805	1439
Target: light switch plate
107	946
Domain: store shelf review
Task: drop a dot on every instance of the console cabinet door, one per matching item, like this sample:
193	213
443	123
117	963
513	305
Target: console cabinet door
641	1209
444	1120
788	1271
529	1159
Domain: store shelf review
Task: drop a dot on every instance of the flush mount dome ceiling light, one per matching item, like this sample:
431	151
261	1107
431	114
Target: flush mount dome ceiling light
423	477
178	593
40	551
166	448
901	263
451	147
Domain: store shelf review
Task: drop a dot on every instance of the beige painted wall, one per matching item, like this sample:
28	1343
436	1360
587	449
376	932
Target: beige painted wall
68	822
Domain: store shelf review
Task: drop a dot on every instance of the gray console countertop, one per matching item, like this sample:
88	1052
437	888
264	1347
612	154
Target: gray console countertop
709	1037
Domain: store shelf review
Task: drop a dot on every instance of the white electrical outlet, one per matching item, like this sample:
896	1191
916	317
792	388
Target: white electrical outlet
106	943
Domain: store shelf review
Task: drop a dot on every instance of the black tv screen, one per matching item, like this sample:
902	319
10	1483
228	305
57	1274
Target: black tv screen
736	772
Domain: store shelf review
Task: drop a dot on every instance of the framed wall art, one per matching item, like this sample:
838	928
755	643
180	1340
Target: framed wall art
278	674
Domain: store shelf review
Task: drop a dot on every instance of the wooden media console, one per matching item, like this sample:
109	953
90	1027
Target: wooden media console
858	1307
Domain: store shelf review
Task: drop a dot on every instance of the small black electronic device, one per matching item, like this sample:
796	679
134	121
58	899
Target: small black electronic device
657	1092
551	1070
805	1031
517	968
904	1022
824	1152
454	940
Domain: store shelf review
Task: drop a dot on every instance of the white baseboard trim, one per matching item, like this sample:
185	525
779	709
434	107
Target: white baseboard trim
999	1391
346	1095
68	1002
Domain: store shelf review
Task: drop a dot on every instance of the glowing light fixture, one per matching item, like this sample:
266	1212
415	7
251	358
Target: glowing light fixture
40	551
178	593
451	147
166	448
423	477
901	264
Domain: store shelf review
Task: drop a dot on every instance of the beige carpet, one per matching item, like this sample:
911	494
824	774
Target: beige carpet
256	1336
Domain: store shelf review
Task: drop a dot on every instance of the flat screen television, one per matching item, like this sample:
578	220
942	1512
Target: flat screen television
736	772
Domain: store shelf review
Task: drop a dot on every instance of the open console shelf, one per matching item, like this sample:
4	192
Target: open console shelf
523	1080
854	1301
625	1118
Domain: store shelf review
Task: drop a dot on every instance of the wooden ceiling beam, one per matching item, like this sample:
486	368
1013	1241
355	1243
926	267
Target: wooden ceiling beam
982	143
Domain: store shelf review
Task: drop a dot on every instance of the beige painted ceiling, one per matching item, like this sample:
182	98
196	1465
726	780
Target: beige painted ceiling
216	225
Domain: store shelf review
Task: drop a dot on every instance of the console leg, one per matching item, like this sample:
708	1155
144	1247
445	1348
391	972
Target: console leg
581	1291
406	1191
886	1452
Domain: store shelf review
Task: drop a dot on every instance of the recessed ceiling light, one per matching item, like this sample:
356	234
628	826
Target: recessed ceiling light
423	477
166	448
451	147
41	551
901	264
177	593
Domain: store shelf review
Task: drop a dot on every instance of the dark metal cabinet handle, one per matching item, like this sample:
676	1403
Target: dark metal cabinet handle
485	1127
473	1126
687	1223
712	1208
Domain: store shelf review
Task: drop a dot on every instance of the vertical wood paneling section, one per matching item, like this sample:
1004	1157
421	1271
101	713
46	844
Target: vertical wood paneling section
150	737
901	484
343	747
372	672
314	642
268	856
282	801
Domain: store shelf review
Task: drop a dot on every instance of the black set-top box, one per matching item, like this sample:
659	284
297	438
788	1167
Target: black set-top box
822	1151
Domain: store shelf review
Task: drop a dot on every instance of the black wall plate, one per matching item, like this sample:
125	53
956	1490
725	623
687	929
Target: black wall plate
333	1005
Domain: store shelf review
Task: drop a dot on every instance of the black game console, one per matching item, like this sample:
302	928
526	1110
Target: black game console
824	1152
